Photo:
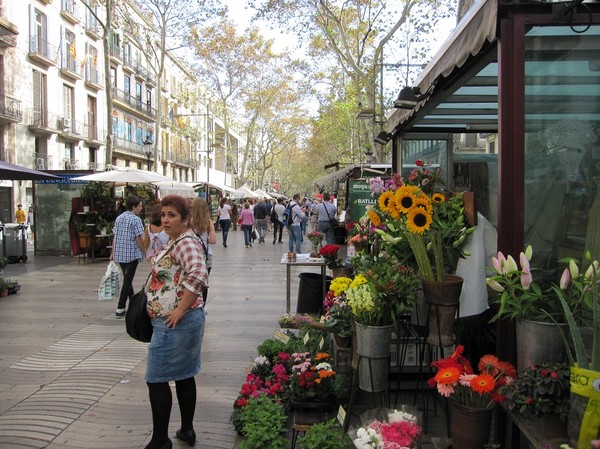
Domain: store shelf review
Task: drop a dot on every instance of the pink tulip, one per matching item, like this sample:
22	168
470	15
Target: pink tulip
565	279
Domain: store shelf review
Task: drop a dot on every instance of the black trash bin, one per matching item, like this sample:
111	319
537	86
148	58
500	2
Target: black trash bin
310	292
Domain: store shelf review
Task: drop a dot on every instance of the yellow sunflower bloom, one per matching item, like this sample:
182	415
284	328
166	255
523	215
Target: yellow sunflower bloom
438	198
404	198
418	220
423	201
384	201
374	217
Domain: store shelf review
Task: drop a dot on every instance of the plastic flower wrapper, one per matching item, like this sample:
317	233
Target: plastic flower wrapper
387	429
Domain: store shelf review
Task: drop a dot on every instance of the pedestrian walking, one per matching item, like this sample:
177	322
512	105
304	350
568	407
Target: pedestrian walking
177	310
204	228
127	248
260	217
246	219
224	214
326	213
155	238
294	230
277	220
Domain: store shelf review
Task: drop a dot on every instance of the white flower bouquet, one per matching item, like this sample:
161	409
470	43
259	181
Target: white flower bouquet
387	429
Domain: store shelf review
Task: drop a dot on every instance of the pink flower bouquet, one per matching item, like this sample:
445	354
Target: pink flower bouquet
387	429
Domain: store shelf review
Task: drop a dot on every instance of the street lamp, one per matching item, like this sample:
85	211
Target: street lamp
148	142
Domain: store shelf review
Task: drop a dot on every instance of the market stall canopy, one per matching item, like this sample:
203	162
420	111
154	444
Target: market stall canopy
185	189
247	192
334	176
12	172
262	193
125	175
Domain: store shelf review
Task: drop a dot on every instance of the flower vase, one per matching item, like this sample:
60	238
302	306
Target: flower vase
314	252
539	342
470	427
442	299
373	348
583	423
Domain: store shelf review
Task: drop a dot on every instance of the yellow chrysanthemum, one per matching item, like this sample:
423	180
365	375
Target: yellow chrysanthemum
438	198
384	201
374	217
340	285
404	198
358	280
418	220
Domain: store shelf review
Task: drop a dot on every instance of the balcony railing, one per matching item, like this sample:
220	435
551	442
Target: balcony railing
94	165
70	164
92	26
10	109
116	52
69	11
91	132
42	162
134	102
41	50
93	76
131	147
42	119
70	66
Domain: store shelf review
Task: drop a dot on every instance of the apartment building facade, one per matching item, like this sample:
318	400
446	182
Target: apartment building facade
53	109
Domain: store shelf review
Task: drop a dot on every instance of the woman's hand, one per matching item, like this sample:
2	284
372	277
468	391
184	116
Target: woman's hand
174	317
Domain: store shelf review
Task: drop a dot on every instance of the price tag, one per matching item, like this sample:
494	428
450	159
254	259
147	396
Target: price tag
280	336
306	338
321	343
341	415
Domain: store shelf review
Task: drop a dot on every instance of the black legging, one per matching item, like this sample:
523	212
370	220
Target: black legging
161	401
277	225
225	225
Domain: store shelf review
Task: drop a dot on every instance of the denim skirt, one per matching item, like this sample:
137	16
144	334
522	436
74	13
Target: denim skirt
174	354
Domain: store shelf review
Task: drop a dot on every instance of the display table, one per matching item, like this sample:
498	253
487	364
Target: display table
533	429
302	260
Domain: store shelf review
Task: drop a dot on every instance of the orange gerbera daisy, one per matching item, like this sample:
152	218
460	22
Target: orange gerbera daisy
447	375
321	356
508	369
489	364
484	383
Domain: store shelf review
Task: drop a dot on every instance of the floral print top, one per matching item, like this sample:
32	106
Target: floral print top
180	265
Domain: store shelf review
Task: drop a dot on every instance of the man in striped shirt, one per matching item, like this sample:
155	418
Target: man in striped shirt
127	247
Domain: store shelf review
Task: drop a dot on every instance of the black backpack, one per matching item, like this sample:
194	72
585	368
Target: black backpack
287	215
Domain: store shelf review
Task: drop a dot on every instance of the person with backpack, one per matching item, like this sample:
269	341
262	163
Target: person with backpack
326	213
277	219
293	217
154	236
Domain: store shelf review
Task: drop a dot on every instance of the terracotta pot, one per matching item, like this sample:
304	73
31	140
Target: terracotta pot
4	293
470	427
443	301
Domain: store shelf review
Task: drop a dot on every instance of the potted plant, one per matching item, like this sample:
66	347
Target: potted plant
383	428
315	240
333	261
584	421
311	381
264	424
536	306
542	391
325	435
472	396
4	285
337	315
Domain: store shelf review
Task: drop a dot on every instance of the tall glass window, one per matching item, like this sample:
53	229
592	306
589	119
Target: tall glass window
562	146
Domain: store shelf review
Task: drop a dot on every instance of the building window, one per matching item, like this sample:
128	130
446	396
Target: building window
113	76
68	102
127	85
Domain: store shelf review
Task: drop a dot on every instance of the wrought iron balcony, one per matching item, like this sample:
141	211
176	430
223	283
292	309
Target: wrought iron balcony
70	67
43	122
69	11
10	109
133	102
42	51
93	77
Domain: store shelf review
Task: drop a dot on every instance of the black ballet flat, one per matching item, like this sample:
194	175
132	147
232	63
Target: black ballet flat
189	436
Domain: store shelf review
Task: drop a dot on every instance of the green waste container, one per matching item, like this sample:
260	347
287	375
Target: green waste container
310	293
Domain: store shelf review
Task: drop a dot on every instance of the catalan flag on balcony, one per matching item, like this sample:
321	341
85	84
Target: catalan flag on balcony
84	60
72	50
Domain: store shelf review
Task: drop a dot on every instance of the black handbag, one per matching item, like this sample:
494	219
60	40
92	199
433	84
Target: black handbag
137	322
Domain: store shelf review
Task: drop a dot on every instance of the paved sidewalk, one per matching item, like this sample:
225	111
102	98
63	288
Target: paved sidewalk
70	377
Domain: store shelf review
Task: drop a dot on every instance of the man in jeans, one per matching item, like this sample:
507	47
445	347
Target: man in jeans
294	230
260	215
127	247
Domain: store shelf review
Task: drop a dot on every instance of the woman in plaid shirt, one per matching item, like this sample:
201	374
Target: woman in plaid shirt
176	307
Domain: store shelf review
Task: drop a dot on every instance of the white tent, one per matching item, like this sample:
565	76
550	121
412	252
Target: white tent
262	193
247	192
185	189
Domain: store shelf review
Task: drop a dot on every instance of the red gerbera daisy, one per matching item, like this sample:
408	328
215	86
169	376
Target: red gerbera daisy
447	376
489	364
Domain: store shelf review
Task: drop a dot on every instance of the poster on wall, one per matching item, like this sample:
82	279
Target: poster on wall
359	197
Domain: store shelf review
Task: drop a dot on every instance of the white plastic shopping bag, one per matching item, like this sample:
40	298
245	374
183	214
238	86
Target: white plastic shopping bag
110	285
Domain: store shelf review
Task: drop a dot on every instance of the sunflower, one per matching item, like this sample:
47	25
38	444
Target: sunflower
384	201
438	198
423	201
418	220
447	376
484	383
374	217
405	198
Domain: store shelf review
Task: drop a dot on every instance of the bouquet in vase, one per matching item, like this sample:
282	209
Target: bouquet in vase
387	429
